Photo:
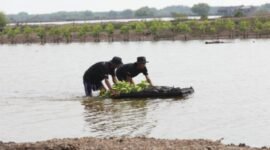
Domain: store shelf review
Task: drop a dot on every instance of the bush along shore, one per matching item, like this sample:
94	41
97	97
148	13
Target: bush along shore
121	143
224	28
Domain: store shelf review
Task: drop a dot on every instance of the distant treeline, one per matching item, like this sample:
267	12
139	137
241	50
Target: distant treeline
144	12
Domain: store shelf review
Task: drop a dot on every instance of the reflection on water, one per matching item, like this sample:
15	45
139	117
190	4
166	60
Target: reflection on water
125	117
118	117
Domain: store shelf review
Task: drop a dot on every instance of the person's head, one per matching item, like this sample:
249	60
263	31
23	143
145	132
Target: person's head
116	62
141	62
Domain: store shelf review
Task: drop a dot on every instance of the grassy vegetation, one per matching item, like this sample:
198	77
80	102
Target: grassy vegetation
123	87
153	30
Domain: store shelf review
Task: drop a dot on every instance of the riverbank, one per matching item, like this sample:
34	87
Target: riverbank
155	30
124	144
132	37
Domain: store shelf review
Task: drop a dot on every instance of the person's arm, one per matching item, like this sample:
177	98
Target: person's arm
114	79
108	84
148	80
145	72
113	92
112	73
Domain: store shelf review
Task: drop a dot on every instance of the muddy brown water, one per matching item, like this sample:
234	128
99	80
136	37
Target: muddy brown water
41	92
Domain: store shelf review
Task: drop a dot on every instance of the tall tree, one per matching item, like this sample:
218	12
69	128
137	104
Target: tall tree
230	26
41	33
258	27
140	28
201	9
66	33
125	29
127	13
145	12
96	30
112	14
55	33
109	28
244	27
158	27
3	20
12	33
265	7
184	29
83	31
27	31
266	28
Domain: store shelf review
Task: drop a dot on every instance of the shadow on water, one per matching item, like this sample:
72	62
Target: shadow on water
125	117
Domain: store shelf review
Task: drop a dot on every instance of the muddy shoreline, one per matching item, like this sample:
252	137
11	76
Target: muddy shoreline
33	39
122	143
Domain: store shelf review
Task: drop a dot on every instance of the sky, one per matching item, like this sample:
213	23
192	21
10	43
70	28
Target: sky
49	6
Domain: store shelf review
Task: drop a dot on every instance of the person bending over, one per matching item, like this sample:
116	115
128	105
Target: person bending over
128	71
93	77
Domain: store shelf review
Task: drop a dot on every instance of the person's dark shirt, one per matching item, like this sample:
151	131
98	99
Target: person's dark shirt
98	72
130	70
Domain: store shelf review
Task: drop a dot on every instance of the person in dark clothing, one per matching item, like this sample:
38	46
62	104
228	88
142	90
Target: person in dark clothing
93	77
128	71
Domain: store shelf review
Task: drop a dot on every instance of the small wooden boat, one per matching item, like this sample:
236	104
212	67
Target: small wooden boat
158	92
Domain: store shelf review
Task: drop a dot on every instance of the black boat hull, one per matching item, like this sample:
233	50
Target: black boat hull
158	92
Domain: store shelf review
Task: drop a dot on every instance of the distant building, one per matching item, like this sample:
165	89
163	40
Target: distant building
228	11
231	11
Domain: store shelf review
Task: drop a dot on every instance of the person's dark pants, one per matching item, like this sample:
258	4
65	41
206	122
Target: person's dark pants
89	87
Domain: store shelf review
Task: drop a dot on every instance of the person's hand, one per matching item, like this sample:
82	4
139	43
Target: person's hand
114	93
102	91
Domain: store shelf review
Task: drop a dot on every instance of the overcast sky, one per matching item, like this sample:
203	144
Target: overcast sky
48	6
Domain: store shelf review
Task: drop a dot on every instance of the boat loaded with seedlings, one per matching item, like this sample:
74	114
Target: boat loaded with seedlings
144	90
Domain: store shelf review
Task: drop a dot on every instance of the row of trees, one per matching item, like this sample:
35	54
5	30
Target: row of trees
201	9
143	12
157	29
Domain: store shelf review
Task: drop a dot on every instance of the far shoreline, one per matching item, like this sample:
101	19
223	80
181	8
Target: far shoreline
155	30
220	40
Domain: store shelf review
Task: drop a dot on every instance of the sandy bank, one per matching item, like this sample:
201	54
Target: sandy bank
139	143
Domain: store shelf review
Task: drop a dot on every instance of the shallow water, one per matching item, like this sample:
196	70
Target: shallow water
42	93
